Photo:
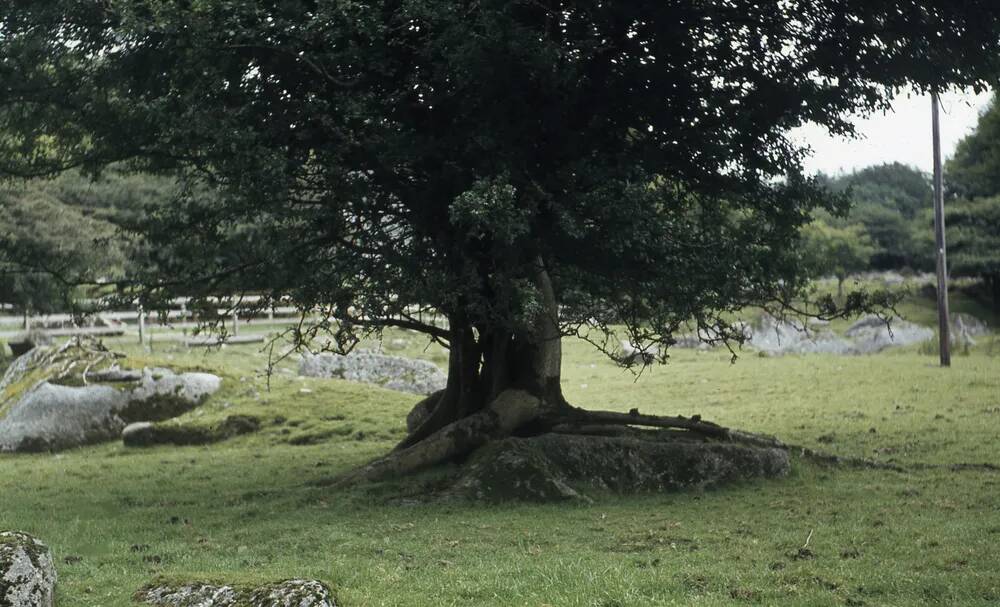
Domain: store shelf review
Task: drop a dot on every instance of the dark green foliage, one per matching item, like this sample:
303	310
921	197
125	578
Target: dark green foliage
974	236
973	215
974	170
892	185
974	242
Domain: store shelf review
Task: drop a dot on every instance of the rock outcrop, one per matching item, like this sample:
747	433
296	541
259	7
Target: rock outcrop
775	336
50	416
392	372
553	467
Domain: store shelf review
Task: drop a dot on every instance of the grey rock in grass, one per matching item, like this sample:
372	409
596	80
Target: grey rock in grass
556	467
288	593
27	573
392	372
163	394
137	434
148	434
632	354
51	417
965	328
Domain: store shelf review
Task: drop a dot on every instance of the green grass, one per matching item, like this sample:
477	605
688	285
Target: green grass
245	510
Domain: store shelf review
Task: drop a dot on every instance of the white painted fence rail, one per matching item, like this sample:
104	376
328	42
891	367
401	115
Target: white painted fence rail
137	320
235	314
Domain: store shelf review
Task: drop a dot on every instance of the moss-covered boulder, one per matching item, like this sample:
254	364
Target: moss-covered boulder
148	434
27	573
553	467
287	593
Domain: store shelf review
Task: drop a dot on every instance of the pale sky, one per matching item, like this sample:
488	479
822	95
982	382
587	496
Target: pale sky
903	135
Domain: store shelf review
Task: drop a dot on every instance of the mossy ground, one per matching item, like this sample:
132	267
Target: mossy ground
249	509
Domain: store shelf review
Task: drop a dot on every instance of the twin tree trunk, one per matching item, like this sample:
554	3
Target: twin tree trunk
499	382
484	363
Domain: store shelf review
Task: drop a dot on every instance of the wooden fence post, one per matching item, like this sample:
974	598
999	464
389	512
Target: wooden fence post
142	325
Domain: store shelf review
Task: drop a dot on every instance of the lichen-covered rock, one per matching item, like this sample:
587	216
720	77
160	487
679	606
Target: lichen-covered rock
554	467
288	593
50	416
147	434
27	573
392	372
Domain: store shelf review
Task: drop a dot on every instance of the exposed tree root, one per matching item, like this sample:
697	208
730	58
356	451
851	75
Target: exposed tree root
511	410
634	418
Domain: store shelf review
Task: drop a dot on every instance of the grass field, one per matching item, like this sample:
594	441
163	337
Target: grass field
247	509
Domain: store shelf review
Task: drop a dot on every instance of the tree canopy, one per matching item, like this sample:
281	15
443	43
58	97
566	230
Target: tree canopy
530	169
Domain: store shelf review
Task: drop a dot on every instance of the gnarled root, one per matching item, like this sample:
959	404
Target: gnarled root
509	411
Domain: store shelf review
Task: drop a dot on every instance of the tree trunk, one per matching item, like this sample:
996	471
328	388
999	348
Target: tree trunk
487	364
994	283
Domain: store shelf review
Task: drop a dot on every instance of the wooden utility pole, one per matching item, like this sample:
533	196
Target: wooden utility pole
944	332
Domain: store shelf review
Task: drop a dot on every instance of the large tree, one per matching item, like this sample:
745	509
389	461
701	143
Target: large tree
973	214
528	168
